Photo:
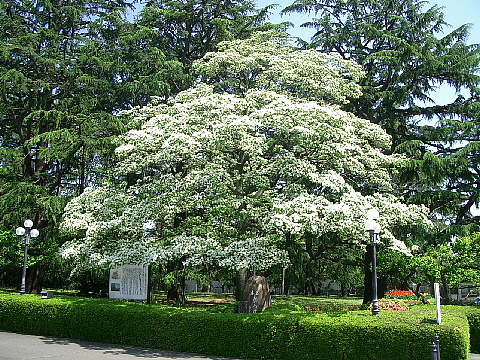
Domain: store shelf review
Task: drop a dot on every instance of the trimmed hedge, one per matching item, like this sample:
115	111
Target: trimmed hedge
282	332
473	316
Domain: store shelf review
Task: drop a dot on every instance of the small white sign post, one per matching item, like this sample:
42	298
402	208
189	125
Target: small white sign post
129	282
436	288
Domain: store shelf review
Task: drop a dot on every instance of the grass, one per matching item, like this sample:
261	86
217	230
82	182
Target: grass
209	300
321	303
311	303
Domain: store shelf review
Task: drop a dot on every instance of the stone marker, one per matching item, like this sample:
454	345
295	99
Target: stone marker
256	296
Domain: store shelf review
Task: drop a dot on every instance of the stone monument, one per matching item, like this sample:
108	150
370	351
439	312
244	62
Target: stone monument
256	296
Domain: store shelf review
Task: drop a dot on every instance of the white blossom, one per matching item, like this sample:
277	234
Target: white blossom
252	254
222	177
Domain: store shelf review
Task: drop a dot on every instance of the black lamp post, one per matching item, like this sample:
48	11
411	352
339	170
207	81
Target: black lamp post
27	232
373	228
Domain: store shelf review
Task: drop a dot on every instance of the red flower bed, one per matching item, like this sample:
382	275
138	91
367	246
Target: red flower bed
399	293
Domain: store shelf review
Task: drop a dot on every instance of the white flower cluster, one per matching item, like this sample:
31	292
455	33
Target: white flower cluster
223	173
256	253
264	62
317	215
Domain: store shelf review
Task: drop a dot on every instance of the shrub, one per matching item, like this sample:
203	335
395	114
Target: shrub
283	332
473	315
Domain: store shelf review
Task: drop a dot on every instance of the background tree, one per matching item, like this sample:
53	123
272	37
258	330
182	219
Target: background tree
239	181
406	57
10	256
403	54
450	264
60	90
188	29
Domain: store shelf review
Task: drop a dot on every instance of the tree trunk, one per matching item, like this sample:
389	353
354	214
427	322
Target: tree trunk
177	290
240	279
417	292
309	285
447	296
33	280
286	282
177	295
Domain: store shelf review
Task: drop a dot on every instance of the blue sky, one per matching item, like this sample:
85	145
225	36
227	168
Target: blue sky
457	13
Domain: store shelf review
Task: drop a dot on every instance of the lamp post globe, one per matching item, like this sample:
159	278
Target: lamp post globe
28	224
373	214
27	233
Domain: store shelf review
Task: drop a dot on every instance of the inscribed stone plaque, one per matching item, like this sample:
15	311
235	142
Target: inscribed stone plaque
256	296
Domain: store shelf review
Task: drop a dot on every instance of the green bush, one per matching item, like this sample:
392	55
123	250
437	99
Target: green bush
283	332
473	315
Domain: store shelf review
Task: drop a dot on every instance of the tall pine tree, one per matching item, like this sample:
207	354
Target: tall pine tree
66	68
186	30
407	57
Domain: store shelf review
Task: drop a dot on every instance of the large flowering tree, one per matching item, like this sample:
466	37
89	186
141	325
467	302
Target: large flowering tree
231	170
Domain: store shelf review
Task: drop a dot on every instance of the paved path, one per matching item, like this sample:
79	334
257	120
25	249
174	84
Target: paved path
23	347
29	347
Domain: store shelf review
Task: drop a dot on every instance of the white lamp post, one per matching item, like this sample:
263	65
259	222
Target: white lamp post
373	228
28	233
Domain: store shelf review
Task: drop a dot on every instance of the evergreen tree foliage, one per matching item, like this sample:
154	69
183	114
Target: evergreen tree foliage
186	30
407	57
66	68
